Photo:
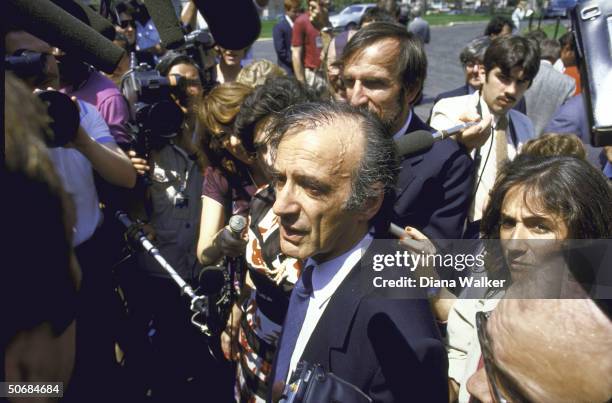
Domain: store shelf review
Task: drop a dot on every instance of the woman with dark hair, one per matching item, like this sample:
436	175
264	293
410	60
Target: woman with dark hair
536	200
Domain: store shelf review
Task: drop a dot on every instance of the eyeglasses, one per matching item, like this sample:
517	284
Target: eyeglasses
127	23
498	381
471	64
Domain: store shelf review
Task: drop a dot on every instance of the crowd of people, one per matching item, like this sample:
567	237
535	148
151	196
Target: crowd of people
307	149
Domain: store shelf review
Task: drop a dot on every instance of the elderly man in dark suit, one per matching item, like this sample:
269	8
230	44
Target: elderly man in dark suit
384	68
334	164
281	35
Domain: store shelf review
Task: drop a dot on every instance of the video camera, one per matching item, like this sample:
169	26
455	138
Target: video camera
199	46
155	115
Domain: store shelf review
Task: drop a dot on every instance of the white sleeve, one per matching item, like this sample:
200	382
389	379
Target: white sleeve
93	123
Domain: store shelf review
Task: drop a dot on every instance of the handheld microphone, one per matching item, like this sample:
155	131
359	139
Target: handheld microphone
419	141
237	224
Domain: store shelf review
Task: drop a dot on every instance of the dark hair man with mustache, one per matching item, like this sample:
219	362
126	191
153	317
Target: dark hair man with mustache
510	64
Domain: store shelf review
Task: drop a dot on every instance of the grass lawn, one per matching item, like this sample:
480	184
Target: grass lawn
445	19
266	28
549	28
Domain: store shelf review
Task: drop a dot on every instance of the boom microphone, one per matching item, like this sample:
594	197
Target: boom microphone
167	24
51	23
84	13
234	24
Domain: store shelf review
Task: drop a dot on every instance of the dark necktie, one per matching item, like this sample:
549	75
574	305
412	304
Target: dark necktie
298	306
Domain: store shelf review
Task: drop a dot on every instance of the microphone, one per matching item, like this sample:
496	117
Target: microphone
234	24
51	23
167	24
419	141
237	224
88	16
211	280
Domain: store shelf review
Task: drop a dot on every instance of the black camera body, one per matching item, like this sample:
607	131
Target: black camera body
199	45
156	118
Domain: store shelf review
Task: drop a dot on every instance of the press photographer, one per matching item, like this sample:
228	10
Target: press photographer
167	357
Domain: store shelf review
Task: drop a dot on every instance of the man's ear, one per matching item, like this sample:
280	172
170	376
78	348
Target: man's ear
482	73
412	94
372	204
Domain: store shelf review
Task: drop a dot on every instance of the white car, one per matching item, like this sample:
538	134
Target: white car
350	17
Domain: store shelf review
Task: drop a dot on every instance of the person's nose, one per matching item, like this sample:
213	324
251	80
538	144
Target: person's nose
286	203
511	89
357	95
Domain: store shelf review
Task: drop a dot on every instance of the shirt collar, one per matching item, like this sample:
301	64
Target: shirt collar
289	20
327	276
402	131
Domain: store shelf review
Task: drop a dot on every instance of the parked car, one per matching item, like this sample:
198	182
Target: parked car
350	17
559	8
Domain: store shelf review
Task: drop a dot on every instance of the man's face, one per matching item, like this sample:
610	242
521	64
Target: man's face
525	232
231	57
293	12
501	92
472	74
313	176
371	81
193	90
568	56
17	40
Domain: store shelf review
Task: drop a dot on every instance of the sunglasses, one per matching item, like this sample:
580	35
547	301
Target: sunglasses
127	23
501	385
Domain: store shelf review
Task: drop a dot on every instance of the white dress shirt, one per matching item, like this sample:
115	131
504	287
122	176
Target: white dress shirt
326	278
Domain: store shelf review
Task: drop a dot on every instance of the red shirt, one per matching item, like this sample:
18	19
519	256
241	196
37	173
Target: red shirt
574	73
307	36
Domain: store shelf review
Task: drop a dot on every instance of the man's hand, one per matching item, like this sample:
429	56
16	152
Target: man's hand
141	165
475	136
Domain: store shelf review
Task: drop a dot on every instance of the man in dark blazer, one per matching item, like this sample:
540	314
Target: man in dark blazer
281	35
384	69
334	164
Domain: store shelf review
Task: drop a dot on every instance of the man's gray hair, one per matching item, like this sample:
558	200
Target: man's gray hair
475	50
378	167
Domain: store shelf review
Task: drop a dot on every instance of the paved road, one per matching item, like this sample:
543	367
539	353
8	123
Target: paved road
444	71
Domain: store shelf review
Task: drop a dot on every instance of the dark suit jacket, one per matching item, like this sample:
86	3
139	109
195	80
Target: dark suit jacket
520	106
434	188
389	348
281	35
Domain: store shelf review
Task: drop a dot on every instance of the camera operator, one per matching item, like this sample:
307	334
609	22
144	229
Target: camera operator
92	148
176	364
